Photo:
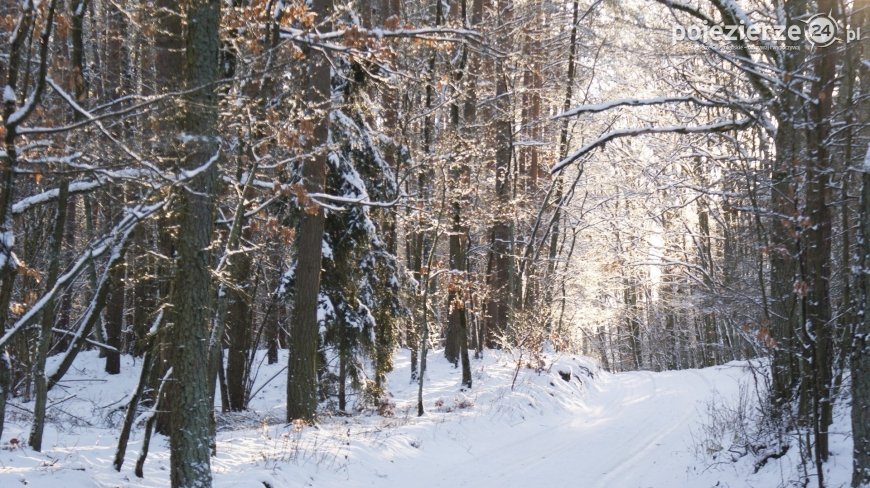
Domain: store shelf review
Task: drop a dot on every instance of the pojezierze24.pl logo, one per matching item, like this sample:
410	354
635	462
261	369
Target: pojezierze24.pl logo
821	30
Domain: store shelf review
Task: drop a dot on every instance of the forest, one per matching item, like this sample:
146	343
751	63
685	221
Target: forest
194	193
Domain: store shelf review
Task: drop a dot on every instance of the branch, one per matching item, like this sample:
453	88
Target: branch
733	15
112	242
724	126
82	186
424	33
76	187
682	7
33	100
364	201
90	118
634	102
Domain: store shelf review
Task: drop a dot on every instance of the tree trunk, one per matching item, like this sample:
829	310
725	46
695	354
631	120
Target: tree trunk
56	247
385	334
817	236
114	319
860	359
48	319
239	326
783	248
18	59
632	322
270	335
782	270
191	409
168	66
302	369
453	348
500	234
132	407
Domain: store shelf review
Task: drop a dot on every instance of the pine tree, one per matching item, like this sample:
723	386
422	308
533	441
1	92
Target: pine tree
190	453
360	274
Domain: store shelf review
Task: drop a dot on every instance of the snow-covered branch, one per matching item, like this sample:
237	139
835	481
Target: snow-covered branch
81	186
686	8
40	198
723	126
112	242
634	102
428	33
355	201
732	15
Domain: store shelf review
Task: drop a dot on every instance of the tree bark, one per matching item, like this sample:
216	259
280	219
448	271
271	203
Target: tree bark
860	354
304	338
783	247
48	319
500	234
817	235
456	330
114	319
18	59
860	359
114	84
191	301
239	326
168	71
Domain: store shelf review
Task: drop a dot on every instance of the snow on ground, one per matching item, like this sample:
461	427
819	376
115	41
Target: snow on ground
626	430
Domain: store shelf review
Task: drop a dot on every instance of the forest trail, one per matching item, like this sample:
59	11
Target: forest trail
631	429
624	430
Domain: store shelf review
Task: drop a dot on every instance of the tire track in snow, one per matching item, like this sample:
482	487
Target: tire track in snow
563	445
560	454
625	470
629	429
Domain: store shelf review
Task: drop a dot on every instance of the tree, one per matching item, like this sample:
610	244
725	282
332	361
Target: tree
302	370
14	114
501	238
191	408
860	352
860	358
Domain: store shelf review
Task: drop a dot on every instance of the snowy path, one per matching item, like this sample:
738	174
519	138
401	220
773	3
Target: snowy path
631	430
627	430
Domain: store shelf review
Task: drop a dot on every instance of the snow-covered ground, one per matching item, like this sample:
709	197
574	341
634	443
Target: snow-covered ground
597	429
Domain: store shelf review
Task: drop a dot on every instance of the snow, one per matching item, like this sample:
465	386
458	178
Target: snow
7	243
7	240
597	430
8	94
188	174
326	250
19	114
867	161
325	312
156	323
430	33
49	195
628	102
